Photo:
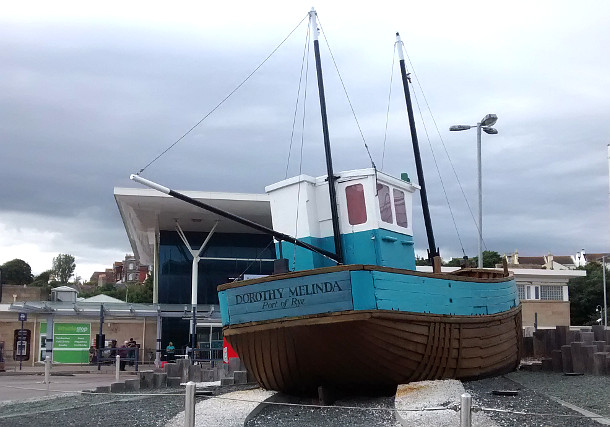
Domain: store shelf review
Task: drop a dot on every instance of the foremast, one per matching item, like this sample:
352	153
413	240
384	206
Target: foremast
432	249
329	162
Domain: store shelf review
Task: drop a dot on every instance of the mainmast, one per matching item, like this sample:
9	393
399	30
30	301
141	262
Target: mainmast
432	249
329	162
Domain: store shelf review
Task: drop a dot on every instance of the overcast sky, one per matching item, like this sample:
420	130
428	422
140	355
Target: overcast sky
89	95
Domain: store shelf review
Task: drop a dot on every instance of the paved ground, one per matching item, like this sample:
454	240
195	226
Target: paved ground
21	387
29	382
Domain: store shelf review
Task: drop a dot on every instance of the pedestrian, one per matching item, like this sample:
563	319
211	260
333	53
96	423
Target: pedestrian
92	355
123	355
170	352
132	352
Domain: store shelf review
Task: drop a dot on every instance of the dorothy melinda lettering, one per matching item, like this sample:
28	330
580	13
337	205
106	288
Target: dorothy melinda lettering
293	291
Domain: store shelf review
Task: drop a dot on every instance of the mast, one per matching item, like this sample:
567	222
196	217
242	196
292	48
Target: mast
329	162
432	249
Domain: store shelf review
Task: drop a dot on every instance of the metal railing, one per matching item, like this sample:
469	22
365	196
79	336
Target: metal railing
207	355
128	355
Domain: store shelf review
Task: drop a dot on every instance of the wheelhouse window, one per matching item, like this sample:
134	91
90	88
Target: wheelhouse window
356	206
385	204
400	208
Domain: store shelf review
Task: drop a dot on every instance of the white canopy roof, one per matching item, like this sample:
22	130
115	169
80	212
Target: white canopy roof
145	212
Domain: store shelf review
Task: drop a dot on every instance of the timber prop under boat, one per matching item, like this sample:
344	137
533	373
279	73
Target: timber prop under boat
370	328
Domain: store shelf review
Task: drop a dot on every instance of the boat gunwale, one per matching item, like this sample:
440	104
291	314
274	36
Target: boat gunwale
368	267
362	315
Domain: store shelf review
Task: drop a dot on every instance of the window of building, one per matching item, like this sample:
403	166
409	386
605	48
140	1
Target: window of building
551	292
356	206
532	292
131	265
400	208
521	291
385	204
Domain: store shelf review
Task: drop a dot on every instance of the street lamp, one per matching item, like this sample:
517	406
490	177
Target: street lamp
485	124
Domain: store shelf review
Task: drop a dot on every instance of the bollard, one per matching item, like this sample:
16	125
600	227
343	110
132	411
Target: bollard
118	367
465	410
189	405
47	369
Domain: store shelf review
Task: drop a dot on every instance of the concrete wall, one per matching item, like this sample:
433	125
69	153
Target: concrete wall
550	313
29	293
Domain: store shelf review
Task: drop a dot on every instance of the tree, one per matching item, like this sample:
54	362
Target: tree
454	262
16	272
490	259
63	267
42	279
133	292
421	261
586	293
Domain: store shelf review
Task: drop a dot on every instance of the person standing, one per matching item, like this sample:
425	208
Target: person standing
123	355
170	352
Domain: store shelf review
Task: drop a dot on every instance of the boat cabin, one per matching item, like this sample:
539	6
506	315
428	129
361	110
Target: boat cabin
375	219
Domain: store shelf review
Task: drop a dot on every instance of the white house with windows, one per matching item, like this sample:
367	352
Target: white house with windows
544	295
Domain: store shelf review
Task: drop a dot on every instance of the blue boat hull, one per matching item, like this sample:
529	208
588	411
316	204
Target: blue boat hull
369	328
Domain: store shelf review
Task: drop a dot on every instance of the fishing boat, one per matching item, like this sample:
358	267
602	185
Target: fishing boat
349	311
373	322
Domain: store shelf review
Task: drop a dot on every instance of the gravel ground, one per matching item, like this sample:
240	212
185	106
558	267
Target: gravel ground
586	391
535	391
534	398
94	409
295	416
155	408
434	394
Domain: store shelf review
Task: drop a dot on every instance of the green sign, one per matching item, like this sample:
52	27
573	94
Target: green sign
72	328
71	342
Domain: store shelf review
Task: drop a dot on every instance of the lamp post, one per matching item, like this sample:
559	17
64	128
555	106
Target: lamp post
485	125
605	300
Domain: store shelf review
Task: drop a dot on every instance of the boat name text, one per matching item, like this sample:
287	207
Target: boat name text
270	295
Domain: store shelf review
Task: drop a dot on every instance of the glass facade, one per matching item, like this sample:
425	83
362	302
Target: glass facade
226	257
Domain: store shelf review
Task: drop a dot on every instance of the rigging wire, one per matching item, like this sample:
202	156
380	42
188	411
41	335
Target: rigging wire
443	144
224	99
296	221
257	258
438	170
347	96
387	113
296	106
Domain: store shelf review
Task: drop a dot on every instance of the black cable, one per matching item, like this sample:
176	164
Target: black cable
296	107
387	114
347	96
223	100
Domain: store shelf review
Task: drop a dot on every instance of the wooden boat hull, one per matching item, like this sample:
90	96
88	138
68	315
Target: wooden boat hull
376	350
367	347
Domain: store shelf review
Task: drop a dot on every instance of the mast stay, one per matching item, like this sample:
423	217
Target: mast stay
432	249
329	161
